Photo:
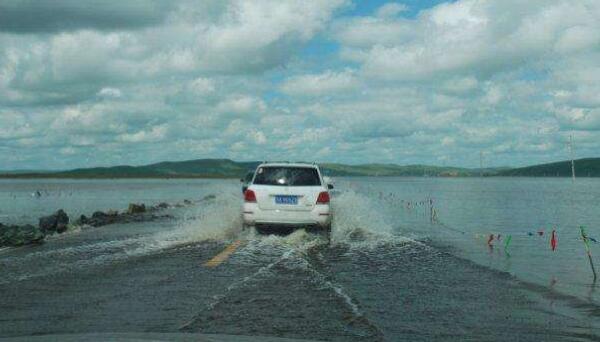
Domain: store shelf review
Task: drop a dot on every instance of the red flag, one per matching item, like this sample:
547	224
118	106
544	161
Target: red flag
553	240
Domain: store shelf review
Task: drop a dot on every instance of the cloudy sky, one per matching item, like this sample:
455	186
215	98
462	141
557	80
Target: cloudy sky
86	83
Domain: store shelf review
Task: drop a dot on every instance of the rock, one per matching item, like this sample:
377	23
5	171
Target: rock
62	221
135	213
112	212
55	223
82	220
47	223
20	235
136	208
162	205
99	215
209	197
100	218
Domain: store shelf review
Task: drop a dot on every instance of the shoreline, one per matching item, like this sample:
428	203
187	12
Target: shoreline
59	222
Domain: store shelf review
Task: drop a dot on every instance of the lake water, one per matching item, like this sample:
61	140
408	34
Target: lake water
467	209
470	209
24	201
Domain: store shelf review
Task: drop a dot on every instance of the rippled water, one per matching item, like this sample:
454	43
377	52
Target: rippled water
470	209
387	260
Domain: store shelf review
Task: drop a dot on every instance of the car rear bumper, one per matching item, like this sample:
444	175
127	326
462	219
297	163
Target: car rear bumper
319	216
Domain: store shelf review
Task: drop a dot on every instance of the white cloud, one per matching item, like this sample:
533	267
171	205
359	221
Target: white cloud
239	37
98	118
109	92
202	86
241	104
391	9
358	35
460	85
230	78
323	84
579	118
15	125
577	38
68	151
154	134
479	36
258	137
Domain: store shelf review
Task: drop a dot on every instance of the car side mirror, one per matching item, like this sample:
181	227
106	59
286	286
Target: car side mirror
330	186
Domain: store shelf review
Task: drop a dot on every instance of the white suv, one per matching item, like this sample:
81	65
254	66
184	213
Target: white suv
286	195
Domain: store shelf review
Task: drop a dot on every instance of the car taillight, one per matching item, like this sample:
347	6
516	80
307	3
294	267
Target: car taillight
323	198
249	196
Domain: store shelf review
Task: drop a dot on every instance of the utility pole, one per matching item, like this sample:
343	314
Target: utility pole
571	154
480	163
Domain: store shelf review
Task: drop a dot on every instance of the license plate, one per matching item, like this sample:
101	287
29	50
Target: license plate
286	199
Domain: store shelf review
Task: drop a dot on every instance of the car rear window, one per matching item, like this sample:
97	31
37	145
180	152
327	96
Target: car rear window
287	176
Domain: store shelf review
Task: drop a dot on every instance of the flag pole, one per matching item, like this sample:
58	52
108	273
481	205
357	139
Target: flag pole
587	249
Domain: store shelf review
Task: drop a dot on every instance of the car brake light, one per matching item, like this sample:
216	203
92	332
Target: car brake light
323	198
249	196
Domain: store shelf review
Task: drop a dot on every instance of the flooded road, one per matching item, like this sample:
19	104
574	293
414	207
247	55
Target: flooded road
202	274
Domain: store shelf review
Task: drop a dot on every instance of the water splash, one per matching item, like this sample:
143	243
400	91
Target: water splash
358	222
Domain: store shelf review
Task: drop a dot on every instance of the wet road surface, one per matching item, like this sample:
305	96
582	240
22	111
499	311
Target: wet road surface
153	278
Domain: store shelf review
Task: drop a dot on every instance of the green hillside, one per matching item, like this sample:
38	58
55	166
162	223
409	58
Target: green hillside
221	168
406	170
225	168
587	167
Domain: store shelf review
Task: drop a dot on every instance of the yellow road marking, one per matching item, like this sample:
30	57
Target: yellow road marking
226	253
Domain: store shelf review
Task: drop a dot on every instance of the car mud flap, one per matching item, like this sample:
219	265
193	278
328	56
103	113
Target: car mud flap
275	229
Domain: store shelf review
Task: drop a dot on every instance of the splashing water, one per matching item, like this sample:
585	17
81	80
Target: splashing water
219	219
358	223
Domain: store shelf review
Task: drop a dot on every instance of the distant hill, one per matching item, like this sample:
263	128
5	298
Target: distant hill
405	170
587	167
225	168
221	168
9	172
198	168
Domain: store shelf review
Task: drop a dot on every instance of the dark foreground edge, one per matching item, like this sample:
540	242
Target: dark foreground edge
143	337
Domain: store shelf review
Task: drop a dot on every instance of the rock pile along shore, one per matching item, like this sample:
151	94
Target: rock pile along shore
59	222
